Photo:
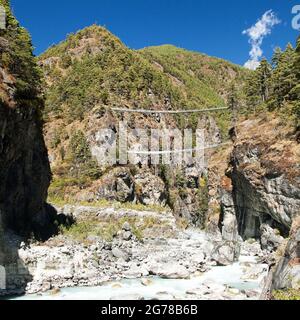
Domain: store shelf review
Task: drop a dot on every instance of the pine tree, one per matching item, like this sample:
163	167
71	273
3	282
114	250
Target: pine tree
296	68
258	84
252	91
295	91
264	73
276	57
283	78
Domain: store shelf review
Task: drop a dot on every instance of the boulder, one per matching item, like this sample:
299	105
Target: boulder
226	252
120	254
126	227
169	271
126	235
270	238
287	272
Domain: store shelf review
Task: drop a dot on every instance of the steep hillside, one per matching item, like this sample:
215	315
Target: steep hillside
112	74
205	80
92	72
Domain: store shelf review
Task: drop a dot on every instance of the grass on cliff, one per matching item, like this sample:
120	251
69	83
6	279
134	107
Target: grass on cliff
108	229
103	203
288	294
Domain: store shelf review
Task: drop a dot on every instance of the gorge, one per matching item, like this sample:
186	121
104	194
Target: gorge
70	225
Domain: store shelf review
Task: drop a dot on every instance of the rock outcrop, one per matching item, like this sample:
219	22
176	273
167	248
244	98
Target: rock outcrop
287	271
265	177
260	197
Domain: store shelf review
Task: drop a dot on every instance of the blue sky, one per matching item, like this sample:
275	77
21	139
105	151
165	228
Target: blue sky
211	27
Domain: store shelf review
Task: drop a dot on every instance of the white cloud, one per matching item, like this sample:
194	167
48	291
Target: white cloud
256	34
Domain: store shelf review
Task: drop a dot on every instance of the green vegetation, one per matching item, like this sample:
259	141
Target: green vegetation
203	200
81	158
103	203
204	81
288	294
110	76
95	69
106	230
276	86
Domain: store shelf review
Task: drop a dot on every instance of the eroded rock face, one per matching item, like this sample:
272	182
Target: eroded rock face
261	199
265	198
123	185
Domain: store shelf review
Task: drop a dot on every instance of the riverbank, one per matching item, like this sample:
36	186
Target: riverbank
163	260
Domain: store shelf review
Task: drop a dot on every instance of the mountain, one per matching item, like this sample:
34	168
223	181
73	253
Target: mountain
111	74
205	80
92	72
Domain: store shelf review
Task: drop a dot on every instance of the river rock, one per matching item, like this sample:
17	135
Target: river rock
120	254
169	271
225	253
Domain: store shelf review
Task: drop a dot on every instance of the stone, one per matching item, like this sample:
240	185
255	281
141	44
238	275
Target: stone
170	271
136	272
146	282
233	291
127	235
198	259
225	253
126	226
286	274
270	238
120	254
150	189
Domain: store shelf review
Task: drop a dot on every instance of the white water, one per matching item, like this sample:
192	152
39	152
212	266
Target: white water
163	288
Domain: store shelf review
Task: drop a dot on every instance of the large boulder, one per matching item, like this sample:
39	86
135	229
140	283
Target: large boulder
169	271
226	252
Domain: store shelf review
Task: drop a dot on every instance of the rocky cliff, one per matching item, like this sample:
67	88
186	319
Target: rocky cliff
260	193
24	165
265	179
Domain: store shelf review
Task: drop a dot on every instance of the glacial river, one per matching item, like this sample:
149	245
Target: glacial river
230	276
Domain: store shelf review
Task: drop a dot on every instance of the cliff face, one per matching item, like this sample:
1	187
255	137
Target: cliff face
24	166
260	195
266	180
25	172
